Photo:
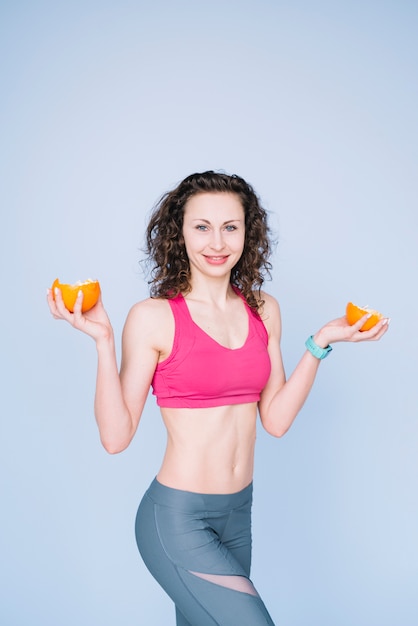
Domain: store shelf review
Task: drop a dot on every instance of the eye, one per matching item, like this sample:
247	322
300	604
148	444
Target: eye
230	227
201	227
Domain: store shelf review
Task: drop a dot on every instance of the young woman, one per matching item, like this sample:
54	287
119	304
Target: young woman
208	343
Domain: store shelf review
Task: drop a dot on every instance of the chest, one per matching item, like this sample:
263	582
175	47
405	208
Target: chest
228	328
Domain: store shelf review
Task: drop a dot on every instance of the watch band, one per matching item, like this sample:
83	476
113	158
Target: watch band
315	350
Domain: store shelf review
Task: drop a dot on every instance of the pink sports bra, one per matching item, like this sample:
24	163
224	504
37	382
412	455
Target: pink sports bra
202	373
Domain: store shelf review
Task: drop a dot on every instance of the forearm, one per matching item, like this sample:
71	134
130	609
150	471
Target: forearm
112	415
286	403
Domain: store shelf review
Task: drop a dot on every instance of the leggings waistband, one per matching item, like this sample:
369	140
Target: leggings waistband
191	501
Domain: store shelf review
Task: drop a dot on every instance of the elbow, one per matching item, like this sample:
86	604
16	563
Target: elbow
277	421
115	440
275	428
276	431
114	447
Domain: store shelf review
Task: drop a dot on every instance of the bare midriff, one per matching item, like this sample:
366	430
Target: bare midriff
209	450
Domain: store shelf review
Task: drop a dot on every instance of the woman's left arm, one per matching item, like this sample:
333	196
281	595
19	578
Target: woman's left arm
282	400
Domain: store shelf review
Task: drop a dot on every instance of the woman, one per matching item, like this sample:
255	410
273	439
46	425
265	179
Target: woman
208	342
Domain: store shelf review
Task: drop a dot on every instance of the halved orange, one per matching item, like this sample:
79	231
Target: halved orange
354	313
90	289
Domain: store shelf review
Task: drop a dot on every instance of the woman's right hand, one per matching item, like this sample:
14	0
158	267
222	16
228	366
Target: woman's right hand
94	322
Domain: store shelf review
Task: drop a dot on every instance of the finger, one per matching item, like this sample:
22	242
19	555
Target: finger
78	319
50	299
57	295
61	309
381	328
377	331
360	323
51	303
78	305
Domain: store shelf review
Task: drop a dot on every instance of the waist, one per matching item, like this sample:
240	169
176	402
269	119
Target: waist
209	450
191	501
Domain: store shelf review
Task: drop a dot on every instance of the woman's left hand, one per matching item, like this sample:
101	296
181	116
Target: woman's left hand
340	330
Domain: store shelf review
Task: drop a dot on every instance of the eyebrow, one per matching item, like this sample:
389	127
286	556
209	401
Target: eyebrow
196	219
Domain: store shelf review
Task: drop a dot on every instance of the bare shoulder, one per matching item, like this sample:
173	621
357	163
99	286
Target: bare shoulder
270	313
270	307
151	320
149	309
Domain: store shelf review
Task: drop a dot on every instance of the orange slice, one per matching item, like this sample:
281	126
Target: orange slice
354	313
90	289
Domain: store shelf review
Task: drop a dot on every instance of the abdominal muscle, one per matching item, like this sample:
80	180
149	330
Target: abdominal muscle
209	450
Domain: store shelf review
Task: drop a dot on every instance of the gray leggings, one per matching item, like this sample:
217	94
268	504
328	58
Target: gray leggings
198	547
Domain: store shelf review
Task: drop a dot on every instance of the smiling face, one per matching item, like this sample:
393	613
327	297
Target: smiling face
214	232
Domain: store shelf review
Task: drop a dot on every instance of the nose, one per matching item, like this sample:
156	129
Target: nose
217	241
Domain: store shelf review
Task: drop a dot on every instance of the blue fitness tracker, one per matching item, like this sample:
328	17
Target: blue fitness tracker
315	350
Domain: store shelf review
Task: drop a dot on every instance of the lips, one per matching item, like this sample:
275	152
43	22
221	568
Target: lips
216	260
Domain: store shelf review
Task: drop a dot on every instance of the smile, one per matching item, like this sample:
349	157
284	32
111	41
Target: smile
216	260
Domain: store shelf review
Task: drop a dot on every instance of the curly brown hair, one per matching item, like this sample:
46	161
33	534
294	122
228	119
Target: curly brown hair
170	268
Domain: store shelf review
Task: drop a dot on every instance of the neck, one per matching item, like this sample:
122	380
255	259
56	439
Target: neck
214	290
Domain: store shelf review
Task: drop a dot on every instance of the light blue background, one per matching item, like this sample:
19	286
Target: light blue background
106	105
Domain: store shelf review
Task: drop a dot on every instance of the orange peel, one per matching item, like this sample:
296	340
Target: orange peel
354	313
90	289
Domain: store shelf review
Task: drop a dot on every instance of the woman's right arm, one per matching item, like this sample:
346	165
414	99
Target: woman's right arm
119	398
